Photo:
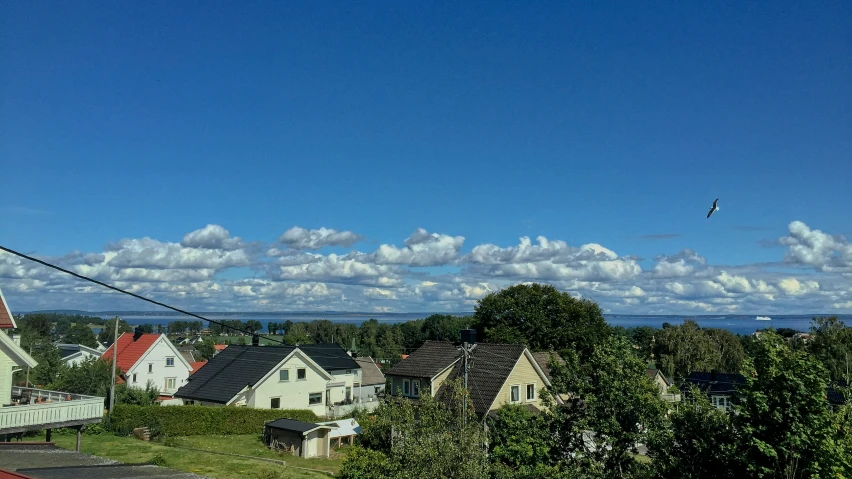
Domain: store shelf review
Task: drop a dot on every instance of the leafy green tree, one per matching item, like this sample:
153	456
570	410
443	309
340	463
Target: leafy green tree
177	327
108	331
686	348
36	325
445	327
618	404
831	344
81	334
147	328
521	444
206	349
90	377
49	363
783	415
643	337
272	327
286	326
297	334
731	352
146	396
541	317
253	326
427	438
698	441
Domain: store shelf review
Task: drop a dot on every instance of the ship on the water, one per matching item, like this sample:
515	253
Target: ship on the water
763	318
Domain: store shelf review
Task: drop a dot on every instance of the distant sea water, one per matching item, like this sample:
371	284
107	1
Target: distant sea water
739	324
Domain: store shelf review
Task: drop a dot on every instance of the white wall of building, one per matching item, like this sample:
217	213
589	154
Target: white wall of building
153	366
79	357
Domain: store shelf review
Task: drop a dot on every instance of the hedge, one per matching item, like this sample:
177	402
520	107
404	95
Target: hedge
198	420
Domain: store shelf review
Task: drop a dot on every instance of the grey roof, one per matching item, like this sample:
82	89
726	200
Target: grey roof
427	361
55	463
236	367
66	350
714	383
293	425
543	360
490	366
370	372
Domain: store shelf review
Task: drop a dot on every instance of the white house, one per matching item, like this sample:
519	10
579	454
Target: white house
313	376
151	358
76	353
372	380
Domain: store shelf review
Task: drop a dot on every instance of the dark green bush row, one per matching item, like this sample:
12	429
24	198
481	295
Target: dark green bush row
198	420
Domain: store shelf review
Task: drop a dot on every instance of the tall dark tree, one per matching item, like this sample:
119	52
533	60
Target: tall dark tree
253	326
541	317
272	327
831	344
147	328
81	334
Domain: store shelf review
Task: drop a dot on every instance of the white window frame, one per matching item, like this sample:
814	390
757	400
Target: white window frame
304	371
406	387
134	378
283	371
150	368
415	388
511	390
172	360
527	393
273	399
314	394
174	383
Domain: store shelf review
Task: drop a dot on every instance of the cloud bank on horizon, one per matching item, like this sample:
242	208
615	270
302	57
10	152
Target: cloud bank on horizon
324	269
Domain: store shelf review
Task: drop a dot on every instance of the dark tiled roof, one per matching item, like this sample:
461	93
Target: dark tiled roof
715	383
427	361
293	425
330	357
227	373
543	360
490	366
833	393
236	367
370	372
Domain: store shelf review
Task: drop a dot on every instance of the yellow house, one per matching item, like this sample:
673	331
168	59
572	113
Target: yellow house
499	374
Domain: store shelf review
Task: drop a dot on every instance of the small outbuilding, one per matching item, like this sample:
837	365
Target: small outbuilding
344	430
303	439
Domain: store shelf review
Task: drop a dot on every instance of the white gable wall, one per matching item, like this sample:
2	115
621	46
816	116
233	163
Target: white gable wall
293	393
156	356
79	357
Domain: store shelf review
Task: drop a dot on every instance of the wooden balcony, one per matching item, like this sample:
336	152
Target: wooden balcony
35	409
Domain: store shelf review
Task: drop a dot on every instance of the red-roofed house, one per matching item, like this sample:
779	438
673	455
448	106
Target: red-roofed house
6	319
150	357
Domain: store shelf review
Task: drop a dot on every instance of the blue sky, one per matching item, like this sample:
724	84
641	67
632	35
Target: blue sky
583	123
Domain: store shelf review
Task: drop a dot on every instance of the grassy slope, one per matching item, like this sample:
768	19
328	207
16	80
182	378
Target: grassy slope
130	450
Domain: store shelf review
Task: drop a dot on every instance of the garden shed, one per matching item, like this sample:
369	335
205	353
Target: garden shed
303	439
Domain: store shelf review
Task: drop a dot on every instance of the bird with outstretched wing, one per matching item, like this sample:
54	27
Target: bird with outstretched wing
714	208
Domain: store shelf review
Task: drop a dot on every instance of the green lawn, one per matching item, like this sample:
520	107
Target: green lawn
131	450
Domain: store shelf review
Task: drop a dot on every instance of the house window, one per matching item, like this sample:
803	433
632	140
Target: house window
415	388
284	375
170	362
348	393
516	394
150	368
300	373
134	377
275	403
170	383
348	371
406	387
314	398
530	392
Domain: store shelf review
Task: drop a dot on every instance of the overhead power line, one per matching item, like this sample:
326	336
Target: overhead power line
114	288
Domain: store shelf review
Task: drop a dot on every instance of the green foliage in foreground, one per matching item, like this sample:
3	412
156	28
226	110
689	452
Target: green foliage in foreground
199	420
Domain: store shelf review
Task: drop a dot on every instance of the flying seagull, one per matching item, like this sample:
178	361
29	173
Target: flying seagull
714	208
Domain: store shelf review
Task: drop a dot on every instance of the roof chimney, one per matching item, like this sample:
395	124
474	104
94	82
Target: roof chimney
137	333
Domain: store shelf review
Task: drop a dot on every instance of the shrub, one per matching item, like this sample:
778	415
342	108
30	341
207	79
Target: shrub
157	460
198	420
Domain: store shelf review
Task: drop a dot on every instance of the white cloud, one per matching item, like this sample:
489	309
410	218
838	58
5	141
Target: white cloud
211	237
421	249
209	269
301	238
810	247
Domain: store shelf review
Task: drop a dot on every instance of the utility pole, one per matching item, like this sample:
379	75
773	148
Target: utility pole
28	368
114	359
466	370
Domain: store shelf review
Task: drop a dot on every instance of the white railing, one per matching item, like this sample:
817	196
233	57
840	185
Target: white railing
47	408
